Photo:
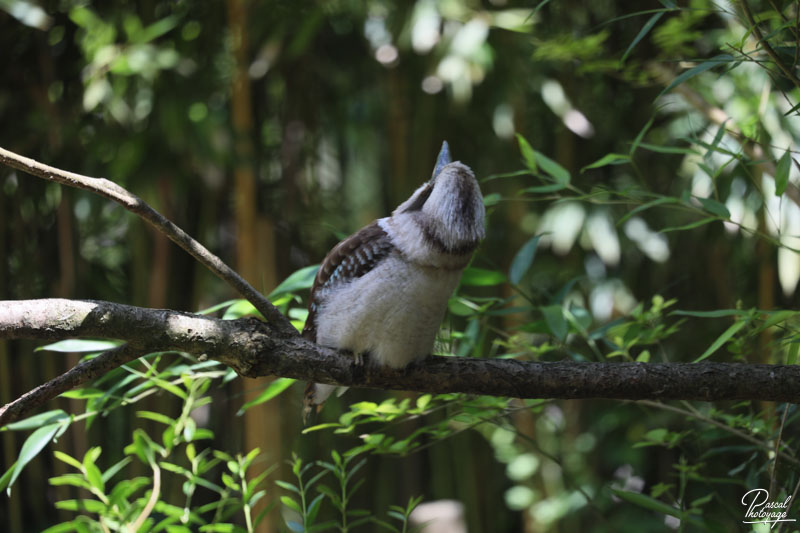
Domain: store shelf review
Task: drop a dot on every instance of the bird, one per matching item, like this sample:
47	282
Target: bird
383	291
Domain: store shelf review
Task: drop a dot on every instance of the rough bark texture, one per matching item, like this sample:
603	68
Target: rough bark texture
134	204
253	348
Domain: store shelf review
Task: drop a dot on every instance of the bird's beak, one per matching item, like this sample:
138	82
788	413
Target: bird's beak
443	160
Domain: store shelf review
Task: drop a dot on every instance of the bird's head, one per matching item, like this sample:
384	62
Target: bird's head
449	207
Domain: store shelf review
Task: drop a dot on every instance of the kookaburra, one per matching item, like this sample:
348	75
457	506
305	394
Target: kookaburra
383	291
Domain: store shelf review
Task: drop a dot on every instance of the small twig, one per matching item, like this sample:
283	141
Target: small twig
777	449
767	47
708	420
74	377
152	501
791	502
131	202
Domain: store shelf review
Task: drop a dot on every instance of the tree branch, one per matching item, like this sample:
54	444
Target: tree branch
253	349
767	47
74	377
136	205
719	117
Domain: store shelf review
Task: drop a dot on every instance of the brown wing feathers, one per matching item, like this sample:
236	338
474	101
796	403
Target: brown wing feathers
348	260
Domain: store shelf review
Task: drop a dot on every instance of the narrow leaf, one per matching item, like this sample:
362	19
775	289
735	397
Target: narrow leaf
691	225
715	207
648	502
273	389
299	280
644	31
717	313
782	173
46	418
523	260
550	187
648	205
31	448
694	71
559	173
79	345
528	154
481	277
637	141
554	316
608	159
722	339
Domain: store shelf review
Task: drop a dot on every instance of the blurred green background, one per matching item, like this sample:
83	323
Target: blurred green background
270	130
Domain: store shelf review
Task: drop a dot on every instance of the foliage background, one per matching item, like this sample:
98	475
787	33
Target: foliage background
271	130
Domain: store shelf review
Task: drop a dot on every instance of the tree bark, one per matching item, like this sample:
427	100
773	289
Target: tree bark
254	348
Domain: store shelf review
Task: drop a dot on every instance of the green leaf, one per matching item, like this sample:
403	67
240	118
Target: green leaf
642	500
717	313
157	29
505	175
777	317
79	345
82	394
492	199
550	187
291	504
535	160
273	389
92	506
608	159
61	456
691	225
481	277
782	173
95	477
554	316
239	309
648	205
5	478
297	281
157	417
559	173
722	339
31	448
523	260
639	36
321	426
791	359
528	153
715	207
667	149
694	71
313	508
48	417
637	141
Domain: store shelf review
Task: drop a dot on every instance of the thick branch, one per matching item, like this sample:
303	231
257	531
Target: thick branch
253	349
131	202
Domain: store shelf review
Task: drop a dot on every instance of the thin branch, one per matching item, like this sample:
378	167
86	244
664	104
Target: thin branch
74	377
152	500
724	427
767	47
131	202
253	349
719	117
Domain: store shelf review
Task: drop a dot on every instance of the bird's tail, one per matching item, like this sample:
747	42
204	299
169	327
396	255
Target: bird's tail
315	396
